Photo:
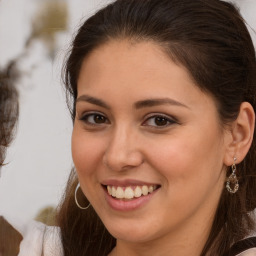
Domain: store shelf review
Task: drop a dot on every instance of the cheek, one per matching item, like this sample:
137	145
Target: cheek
86	155
188	157
172	160
191	172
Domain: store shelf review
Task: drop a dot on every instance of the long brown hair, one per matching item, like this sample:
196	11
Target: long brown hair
210	39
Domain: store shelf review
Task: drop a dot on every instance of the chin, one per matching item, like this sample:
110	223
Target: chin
130	233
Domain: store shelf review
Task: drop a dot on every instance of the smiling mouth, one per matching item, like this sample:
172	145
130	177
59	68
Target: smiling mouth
130	192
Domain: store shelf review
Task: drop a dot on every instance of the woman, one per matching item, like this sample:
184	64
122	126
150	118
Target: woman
162	100
162	96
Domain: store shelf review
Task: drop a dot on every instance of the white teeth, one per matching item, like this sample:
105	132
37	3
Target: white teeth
144	190
119	193
109	190
113	192
129	192
137	192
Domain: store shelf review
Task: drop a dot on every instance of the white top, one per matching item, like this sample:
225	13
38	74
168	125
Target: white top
39	238
250	252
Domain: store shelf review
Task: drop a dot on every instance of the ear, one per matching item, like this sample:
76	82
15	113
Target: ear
239	138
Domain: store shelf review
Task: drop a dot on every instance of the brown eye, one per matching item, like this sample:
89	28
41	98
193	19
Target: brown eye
158	121
99	119
94	119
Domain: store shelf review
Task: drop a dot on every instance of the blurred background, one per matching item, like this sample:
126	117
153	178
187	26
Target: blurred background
34	38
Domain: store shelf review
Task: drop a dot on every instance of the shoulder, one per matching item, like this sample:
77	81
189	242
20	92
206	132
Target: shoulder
245	247
38	238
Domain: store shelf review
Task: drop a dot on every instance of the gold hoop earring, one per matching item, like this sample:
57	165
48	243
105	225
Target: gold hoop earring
78	205
232	179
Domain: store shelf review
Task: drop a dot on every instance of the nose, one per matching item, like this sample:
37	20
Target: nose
123	151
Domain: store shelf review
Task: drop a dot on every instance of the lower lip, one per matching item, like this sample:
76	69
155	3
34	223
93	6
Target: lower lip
128	205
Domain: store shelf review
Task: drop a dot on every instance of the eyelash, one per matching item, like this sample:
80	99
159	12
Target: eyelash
93	115
168	121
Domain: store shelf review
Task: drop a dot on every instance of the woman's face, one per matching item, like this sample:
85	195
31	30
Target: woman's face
147	143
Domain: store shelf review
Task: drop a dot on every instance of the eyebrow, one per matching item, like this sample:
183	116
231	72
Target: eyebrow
138	105
92	100
157	102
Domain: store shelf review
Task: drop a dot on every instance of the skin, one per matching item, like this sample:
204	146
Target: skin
185	155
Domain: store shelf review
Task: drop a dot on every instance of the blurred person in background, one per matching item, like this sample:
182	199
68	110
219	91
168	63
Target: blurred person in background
9	109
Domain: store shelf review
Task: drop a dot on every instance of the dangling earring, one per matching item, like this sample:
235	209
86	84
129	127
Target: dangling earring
78	205
232	179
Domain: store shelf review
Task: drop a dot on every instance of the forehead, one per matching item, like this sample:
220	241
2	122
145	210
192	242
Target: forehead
123	59
141	69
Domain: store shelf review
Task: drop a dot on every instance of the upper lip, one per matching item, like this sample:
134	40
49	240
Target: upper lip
126	182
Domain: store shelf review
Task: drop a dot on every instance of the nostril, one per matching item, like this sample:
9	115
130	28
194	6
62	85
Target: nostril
122	161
